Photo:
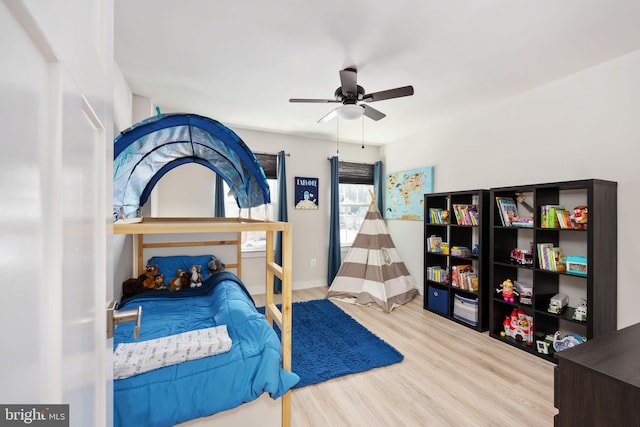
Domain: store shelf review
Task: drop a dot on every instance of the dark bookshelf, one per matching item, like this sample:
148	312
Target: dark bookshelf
598	243
440	297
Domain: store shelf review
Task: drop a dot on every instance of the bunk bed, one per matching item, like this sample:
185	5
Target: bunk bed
195	389
134	398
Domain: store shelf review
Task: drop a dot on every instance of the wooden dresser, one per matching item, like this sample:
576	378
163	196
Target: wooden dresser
598	383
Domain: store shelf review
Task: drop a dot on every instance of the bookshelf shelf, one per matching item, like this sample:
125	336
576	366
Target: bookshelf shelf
598	243
459	230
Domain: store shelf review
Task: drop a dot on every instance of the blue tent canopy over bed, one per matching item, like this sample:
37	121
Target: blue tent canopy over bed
149	149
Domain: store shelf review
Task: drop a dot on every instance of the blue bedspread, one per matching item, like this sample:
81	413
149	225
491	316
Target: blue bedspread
202	387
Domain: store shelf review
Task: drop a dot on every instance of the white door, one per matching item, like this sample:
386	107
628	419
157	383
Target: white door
55	157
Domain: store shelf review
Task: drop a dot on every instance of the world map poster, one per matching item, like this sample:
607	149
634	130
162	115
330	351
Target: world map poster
404	198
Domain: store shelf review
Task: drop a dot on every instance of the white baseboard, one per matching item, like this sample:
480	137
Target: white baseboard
259	289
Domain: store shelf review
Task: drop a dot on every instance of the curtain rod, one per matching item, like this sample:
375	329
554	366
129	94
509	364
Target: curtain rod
271	154
349	161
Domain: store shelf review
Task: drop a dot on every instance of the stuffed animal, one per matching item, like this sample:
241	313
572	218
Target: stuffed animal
181	281
159	281
148	278
215	266
195	276
131	287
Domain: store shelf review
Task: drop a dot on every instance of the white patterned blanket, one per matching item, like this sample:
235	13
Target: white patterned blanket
135	358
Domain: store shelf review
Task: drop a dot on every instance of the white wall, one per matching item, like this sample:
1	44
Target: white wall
586	125
122	101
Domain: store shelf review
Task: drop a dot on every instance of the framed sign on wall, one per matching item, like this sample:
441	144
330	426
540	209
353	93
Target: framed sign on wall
306	193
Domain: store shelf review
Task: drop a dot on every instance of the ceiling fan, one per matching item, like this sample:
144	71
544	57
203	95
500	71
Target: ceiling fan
349	94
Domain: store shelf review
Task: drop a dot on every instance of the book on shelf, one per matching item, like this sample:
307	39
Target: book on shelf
549	216
438	216
437	274
471	280
466	214
508	210
551	258
444	248
433	244
457	274
543	263
564	218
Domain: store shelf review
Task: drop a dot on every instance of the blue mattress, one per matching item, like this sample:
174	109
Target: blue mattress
202	387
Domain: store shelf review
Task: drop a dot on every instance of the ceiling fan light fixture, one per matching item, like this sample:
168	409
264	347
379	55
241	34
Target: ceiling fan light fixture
350	112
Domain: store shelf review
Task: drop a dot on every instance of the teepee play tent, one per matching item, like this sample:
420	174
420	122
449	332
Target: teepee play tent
372	273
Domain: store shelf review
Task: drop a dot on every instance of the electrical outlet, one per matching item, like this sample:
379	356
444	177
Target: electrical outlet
314	262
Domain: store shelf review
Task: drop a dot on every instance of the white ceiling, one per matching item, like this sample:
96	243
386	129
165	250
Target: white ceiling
239	62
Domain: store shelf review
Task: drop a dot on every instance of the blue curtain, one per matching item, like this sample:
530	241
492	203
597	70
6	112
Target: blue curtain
281	216
378	183
334	224
218	203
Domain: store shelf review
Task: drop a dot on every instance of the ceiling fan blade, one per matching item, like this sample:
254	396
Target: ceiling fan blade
388	94
330	115
349	82
372	113
322	101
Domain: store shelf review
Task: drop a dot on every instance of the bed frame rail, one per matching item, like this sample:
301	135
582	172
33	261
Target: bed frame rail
282	271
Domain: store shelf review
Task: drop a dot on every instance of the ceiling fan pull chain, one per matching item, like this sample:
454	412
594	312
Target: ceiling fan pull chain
337	135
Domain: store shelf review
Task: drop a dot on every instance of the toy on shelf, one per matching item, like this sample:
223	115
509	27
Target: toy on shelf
476	250
577	265
580	217
580	312
565	341
545	346
557	303
518	326
506	289
521	257
524	292
520	198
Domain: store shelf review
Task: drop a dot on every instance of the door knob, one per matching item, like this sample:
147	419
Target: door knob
114	317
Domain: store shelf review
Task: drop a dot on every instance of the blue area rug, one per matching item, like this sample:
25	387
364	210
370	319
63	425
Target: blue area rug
327	343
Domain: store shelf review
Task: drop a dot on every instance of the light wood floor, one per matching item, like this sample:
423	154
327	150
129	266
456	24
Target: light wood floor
450	376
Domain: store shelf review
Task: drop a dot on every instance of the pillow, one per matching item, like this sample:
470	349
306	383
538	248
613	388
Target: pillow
169	265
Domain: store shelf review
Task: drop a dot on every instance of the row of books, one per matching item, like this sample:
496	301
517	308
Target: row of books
550	257
466	214
438	216
436	245
554	216
437	274
464	277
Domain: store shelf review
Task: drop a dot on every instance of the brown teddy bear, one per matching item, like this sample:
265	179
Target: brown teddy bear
148	278
159	281
181	281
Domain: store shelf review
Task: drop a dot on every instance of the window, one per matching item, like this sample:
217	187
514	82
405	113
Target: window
255	241
354	203
355	188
